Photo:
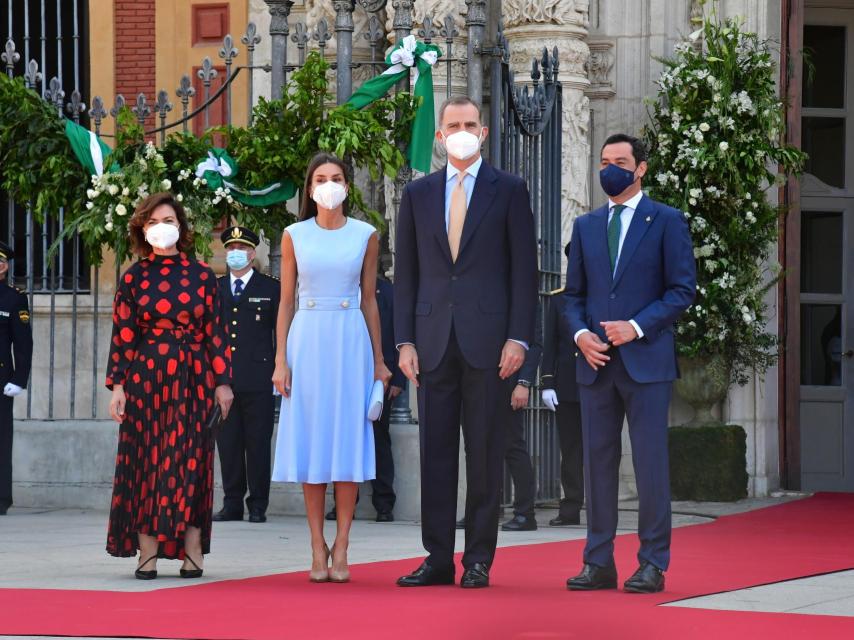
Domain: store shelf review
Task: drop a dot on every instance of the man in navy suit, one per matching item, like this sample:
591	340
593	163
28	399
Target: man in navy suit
465	297
630	275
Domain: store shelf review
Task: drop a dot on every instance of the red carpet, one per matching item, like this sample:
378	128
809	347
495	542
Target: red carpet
527	601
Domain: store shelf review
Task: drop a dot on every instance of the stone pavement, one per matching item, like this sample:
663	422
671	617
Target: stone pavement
64	549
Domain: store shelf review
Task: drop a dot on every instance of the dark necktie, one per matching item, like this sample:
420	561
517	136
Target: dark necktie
614	234
238	288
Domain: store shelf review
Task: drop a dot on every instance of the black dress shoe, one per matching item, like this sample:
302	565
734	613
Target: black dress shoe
191	573
3	510
257	516
331	514
647	579
475	577
139	574
461	523
565	521
385	516
520	523
427	576
224	515
594	577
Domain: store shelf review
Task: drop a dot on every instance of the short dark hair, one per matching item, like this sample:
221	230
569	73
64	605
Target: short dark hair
143	212
459	101
638	147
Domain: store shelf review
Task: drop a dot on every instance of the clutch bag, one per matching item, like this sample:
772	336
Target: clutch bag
215	421
375	404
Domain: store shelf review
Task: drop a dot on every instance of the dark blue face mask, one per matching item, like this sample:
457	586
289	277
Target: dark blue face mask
615	180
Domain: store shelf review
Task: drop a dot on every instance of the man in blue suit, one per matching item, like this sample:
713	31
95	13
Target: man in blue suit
465	296
630	275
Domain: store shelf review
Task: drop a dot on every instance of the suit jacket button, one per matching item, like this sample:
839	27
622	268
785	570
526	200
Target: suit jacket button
234	322
235	309
613	296
233	335
453	277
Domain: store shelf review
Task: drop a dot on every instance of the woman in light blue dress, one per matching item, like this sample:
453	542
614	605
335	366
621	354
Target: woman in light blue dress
328	356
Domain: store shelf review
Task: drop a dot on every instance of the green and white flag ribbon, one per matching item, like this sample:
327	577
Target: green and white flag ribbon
91	151
417	58
219	170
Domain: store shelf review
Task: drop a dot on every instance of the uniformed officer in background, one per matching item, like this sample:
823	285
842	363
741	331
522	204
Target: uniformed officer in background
516	455
383	496
250	303
560	394
16	355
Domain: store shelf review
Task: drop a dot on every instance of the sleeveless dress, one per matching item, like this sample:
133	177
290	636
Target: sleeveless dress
324	432
169	350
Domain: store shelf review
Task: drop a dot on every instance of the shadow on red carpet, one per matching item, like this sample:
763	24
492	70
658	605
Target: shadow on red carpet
528	599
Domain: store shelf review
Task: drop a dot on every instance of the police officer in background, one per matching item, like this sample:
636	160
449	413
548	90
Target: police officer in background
250	302
16	355
560	394
516	454
383	496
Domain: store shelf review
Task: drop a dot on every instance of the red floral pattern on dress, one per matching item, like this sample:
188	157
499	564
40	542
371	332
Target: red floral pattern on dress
169	352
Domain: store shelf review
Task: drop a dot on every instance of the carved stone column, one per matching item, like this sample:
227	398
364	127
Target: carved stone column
530	25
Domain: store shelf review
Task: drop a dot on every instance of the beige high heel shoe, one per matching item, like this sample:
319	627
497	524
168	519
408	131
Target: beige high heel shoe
322	575
338	577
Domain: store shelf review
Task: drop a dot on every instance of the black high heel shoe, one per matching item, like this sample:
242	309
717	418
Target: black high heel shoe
146	575
191	573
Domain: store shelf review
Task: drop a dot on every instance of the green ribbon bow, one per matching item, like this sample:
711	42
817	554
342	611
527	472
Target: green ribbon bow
219	170
409	55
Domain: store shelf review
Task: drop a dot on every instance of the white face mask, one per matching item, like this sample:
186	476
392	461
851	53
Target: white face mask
162	235
462	145
329	195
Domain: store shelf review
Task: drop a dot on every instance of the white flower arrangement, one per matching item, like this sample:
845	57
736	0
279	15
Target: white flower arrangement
718	96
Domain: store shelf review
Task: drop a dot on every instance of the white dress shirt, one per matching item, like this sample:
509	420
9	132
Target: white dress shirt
244	279
626	216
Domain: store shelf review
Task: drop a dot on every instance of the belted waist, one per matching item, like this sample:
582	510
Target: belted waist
175	335
343	303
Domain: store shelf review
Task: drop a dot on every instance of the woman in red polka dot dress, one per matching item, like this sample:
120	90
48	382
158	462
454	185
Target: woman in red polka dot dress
169	363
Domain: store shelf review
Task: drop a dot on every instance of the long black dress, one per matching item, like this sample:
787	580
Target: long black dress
170	352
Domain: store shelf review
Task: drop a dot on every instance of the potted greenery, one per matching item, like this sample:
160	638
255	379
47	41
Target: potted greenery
716	147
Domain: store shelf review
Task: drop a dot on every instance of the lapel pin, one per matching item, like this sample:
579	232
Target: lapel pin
649	218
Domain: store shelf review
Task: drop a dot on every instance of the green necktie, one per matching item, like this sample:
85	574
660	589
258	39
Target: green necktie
614	234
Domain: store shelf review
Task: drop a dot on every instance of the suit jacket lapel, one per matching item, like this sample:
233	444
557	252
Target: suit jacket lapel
641	220
437	213
226	290
481	198
600	231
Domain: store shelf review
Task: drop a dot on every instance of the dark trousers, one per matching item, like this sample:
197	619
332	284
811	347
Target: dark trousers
519	465
568	419
383	496
604	404
244	451
454	393
6	404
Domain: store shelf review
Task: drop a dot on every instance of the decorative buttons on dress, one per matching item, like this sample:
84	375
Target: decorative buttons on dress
311	304
345	304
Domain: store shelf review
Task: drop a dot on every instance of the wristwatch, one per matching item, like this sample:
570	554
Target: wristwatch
524	383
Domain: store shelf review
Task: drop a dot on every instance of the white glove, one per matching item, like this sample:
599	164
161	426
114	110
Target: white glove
549	398
11	390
